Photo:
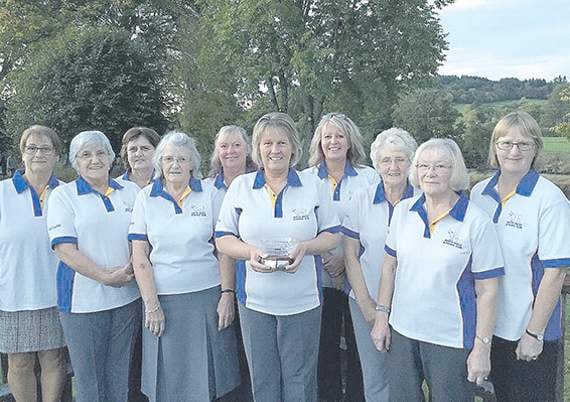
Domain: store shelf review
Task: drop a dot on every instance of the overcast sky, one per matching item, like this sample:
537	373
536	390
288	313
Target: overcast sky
508	38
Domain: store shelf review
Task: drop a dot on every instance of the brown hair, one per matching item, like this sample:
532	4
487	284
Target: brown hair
40	130
131	134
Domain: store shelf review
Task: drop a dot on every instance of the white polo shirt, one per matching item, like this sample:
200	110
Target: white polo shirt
434	296
301	211
99	225
534	232
220	191
27	270
368	222
181	237
353	180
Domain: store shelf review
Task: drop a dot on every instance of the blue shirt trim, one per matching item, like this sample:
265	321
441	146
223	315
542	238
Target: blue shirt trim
219	181
125	176
292	179
21	184
63	239
332	229
157	190
389	251
137	236
323	173
457	211
556	263
64	279
353	235
491	273
220	233
83	187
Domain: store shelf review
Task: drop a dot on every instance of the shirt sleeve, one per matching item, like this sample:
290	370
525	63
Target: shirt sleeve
553	235
60	219
327	219
351	222
227	223
486	255
137	229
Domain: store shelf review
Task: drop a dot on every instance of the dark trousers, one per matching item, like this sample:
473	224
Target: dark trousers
335	312
519	380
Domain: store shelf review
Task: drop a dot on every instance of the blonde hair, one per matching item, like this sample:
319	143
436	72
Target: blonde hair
216	164
283	123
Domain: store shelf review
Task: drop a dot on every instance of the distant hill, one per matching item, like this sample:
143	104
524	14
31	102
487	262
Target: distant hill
478	90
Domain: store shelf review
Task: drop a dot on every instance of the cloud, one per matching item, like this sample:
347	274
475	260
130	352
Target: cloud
462	5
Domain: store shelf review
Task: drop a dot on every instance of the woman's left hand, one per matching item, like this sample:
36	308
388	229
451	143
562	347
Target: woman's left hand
297	256
528	348
226	310
479	364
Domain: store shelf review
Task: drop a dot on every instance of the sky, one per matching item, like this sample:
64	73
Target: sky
507	38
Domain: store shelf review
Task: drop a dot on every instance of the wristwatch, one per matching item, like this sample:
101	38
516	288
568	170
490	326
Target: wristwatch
485	340
538	337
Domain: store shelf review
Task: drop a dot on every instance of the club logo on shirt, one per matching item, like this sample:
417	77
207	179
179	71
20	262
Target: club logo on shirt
198	210
453	240
54	227
514	220
300	214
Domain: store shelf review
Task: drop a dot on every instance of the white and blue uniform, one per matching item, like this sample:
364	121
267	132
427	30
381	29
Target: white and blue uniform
342	193
123	178
301	211
533	228
434	297
98	224
27	272
220	191
368	221
182	252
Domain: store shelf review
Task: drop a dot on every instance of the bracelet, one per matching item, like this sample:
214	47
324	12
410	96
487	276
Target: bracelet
383	308
538	337
228	290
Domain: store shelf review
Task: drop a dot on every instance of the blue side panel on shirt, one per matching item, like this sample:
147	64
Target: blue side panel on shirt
278	213
319	270
65	278
336	194
240	281
553	330
468	303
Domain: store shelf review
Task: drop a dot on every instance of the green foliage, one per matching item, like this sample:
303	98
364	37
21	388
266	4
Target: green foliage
562	127
479	124
428	113
88	79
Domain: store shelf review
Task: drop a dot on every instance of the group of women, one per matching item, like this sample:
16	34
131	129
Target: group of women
425	283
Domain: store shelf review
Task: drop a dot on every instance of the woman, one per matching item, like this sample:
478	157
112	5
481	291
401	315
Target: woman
29	324
287	212
137	149
189	348
336	157
365	227
439	283
88	221
531	216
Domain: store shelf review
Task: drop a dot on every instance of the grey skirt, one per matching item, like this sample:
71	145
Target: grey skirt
192	360
30	330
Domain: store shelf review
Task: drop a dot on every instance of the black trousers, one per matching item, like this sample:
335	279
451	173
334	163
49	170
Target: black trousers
335	312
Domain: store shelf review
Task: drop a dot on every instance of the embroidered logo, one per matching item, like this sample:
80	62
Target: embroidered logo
453	240
198	210
514	220
300	214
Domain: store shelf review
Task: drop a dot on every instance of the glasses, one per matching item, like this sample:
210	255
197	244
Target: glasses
143	149
439	168
32	149
388	161
182	160
508	145
89	155
333	115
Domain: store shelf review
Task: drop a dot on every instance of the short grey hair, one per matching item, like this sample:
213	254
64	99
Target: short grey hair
283	123
459	179
216	164
394	137
85	138
355	153
180	140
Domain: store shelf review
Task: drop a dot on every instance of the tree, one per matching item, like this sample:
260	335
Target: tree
428	113
298	54
88	79
479	124
563	127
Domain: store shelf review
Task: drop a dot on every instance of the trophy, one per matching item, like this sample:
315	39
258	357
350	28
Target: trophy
277	253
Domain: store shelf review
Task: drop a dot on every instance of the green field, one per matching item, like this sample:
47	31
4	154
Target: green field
462	107
559	145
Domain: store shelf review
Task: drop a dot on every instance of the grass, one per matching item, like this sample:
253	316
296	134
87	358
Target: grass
462	107
557	145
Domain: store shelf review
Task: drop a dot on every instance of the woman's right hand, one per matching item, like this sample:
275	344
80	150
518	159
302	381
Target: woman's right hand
118	277
255	258
381	335
368	308
154	319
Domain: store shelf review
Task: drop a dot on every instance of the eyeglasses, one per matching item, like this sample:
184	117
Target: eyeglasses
89	155
143	149
178	159
439	168
508	145
32	149
333	115
396	160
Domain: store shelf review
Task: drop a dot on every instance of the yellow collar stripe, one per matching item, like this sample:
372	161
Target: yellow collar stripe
436	220
508	197
43	196
333	182
187	191
272	195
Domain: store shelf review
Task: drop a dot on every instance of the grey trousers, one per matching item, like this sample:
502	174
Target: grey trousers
374	363
282	352
444	369
100	346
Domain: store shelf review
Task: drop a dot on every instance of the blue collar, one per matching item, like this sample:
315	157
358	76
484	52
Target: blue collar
457	212
20	183
292	179
525	187
125	176
85	188
158	188
349	170
380	195
219	181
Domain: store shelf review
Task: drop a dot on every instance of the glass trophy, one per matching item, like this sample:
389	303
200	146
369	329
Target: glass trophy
277	253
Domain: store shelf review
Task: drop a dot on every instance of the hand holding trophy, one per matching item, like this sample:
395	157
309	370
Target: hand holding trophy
280	255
